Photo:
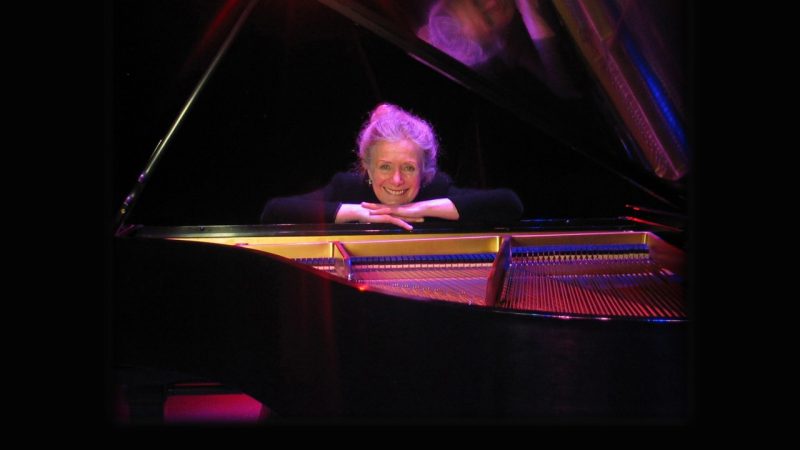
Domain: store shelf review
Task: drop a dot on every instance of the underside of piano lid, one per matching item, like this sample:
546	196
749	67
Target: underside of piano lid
535	57
599	275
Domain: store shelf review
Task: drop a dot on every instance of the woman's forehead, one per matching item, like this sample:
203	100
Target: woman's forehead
401	150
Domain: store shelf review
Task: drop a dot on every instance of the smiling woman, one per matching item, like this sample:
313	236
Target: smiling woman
396	181
393	171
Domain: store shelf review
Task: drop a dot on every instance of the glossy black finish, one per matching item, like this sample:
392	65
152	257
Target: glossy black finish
669	233
326	229
308	345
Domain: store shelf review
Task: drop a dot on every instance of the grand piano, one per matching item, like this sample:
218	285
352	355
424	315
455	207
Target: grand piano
579	313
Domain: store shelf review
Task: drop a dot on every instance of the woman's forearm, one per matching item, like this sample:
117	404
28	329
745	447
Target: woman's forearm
442	208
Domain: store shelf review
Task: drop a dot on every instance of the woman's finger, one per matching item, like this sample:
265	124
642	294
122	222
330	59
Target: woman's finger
380	212
400	223
371	206
385	218
409	219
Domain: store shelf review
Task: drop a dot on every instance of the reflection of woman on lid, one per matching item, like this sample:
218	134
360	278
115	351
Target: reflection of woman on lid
396	182
469	31
517	32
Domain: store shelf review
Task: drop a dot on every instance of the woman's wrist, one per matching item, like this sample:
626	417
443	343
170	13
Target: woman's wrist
442	208
349	212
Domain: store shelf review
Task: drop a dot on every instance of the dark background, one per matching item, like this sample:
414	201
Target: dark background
281	114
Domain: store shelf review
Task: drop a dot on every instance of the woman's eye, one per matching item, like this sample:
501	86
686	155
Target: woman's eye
409	169
384	167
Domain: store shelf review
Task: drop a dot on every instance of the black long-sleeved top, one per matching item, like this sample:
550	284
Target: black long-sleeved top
321	206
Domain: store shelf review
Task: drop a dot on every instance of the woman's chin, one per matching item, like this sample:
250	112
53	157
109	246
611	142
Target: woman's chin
393	200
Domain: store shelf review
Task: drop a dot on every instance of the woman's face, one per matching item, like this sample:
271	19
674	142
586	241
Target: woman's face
481	19
395	171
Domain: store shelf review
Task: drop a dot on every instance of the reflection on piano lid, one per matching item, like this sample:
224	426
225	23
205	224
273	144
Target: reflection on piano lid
525	54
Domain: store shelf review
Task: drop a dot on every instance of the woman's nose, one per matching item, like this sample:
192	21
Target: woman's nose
397	178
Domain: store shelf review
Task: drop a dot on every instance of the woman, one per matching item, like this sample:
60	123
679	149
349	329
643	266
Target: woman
396	182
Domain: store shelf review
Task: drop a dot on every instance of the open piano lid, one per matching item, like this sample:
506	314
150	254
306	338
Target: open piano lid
279	114
528	55
577	106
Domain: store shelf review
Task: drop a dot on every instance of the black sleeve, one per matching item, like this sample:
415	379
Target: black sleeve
486	205
314	207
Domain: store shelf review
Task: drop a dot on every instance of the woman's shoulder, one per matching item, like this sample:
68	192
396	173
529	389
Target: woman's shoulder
438	187
347	179
442	177
349	187
441	181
